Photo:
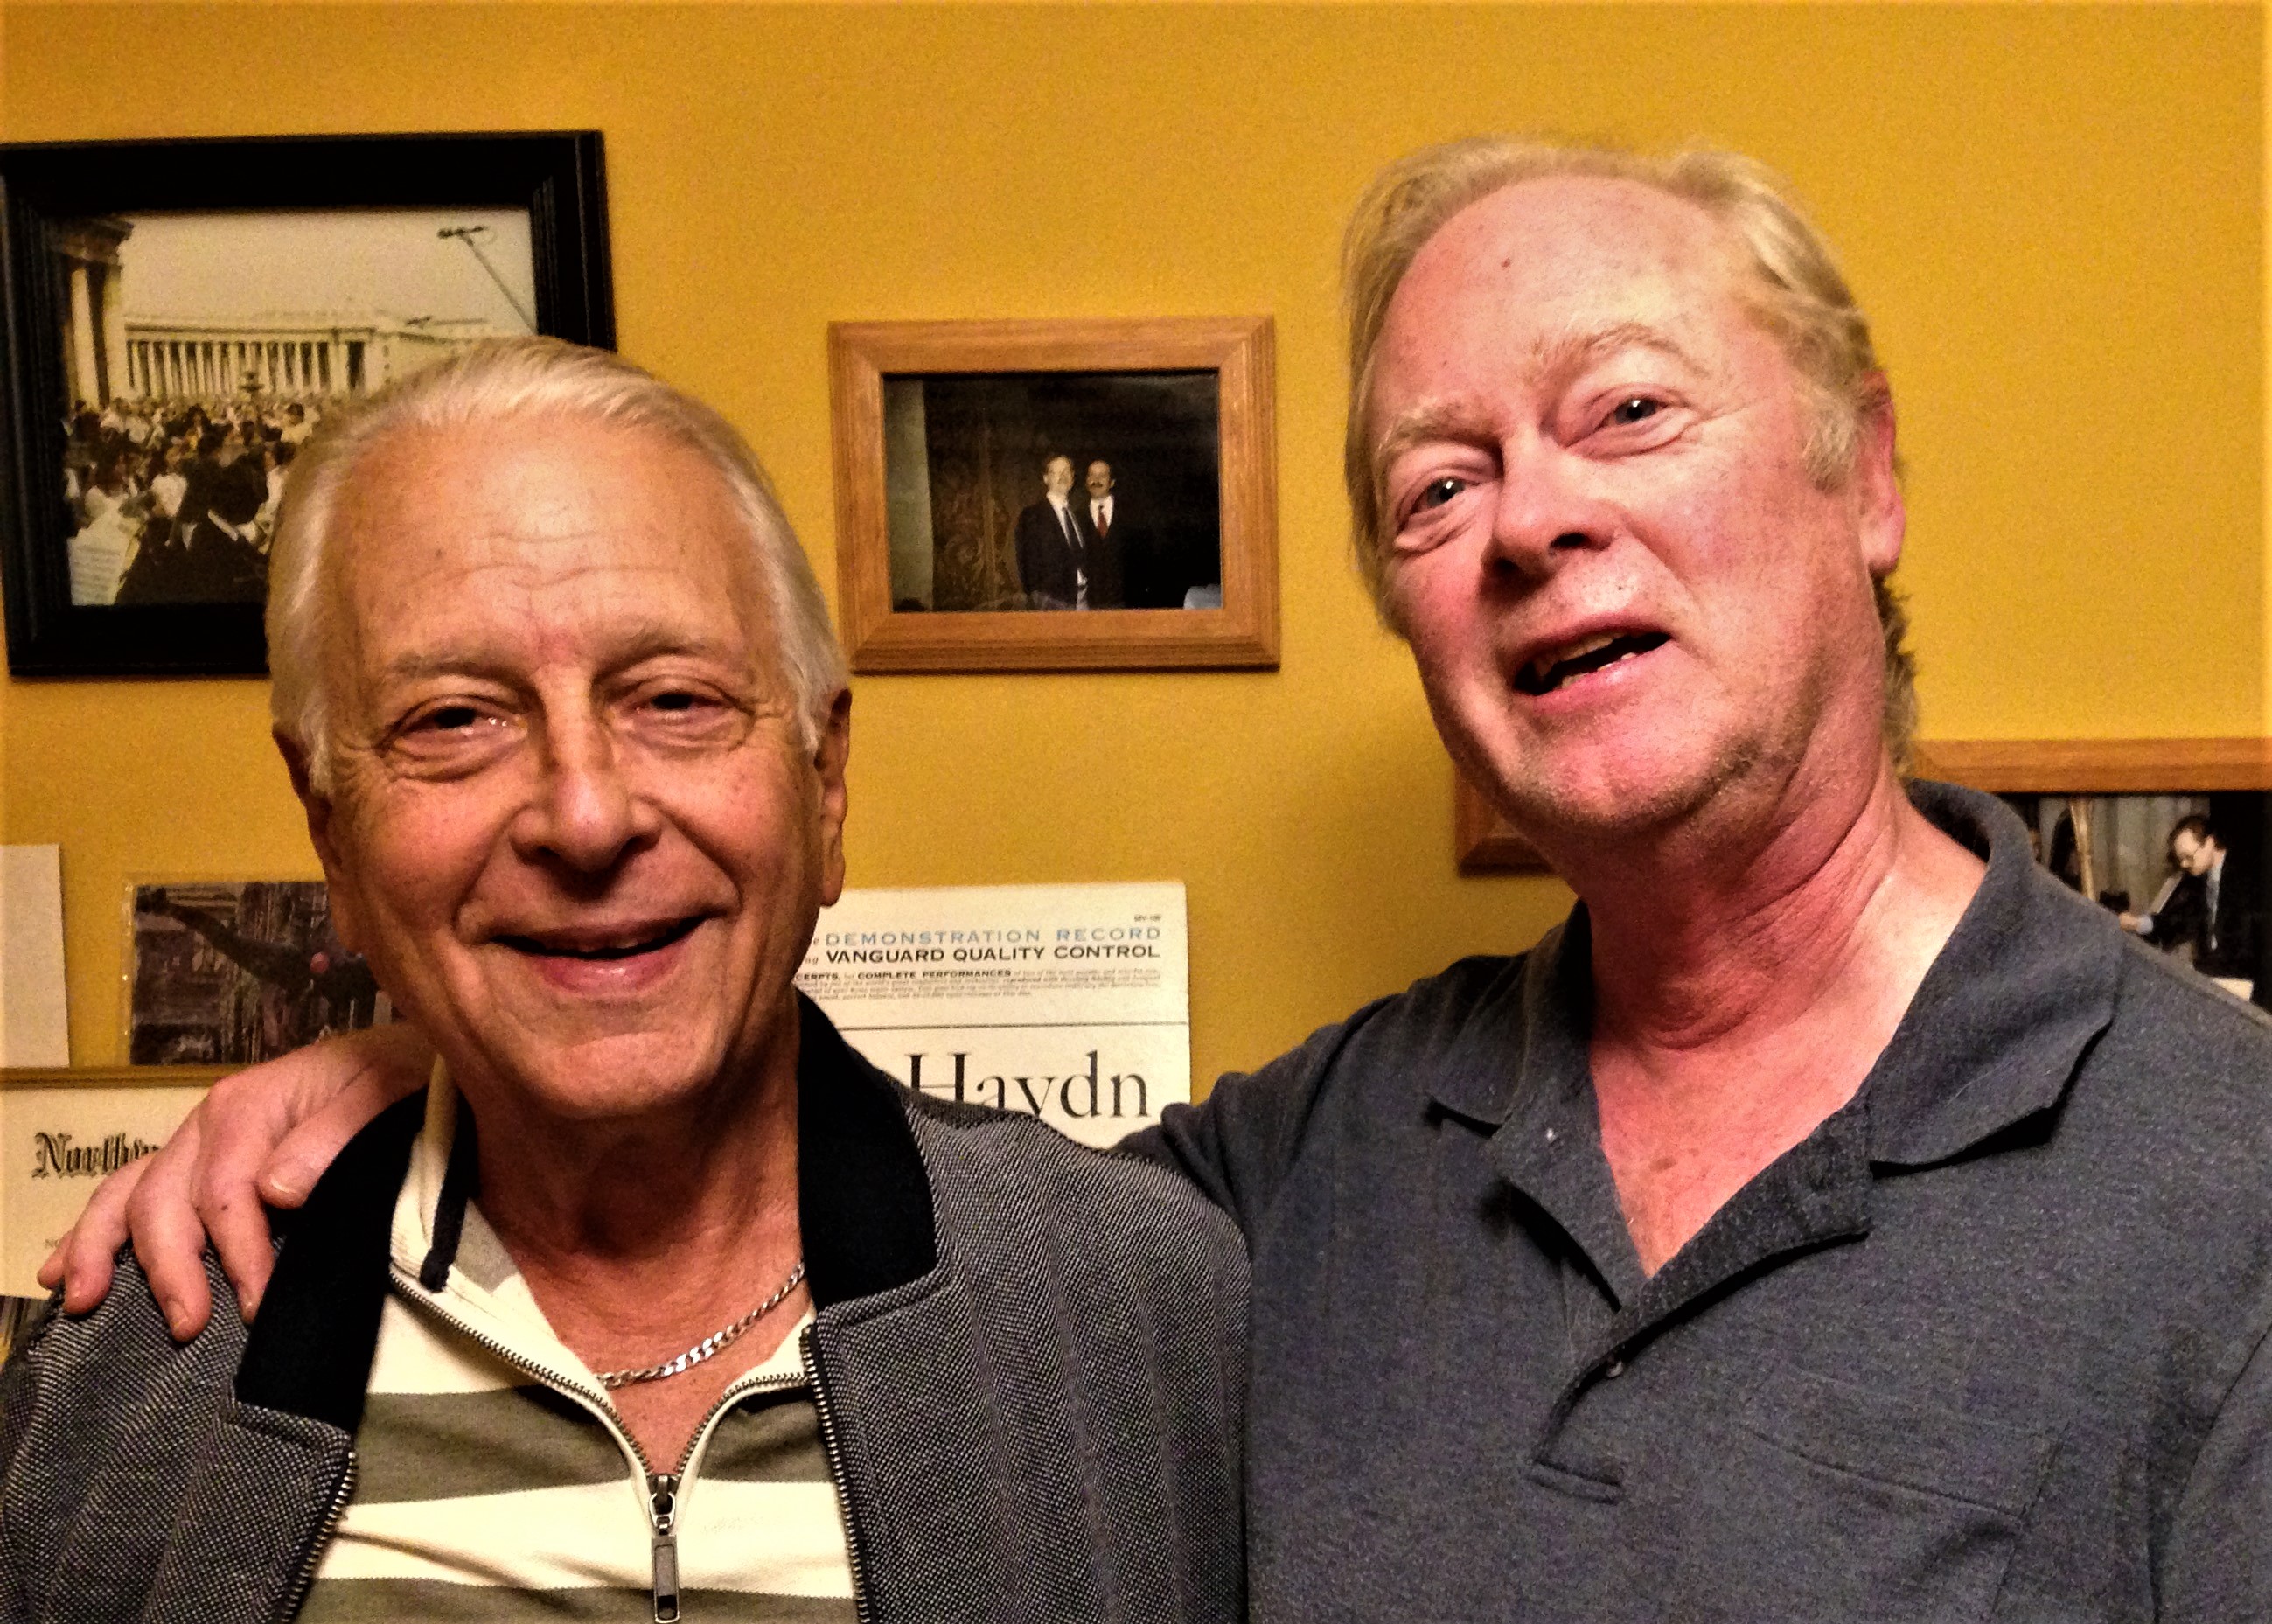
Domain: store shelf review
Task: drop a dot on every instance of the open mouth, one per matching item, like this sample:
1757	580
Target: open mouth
1550	671
652	940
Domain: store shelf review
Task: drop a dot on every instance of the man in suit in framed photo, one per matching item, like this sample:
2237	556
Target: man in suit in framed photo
1139	565
1053	555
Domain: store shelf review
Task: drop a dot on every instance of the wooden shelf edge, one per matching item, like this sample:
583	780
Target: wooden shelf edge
112	1077
2101	765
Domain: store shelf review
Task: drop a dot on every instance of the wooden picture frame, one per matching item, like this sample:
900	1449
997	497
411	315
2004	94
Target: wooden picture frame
1484	843
995	403
188	341
2097	766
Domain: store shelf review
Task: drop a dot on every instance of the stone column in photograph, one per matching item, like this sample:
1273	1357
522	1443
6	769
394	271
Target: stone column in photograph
118	373
94	323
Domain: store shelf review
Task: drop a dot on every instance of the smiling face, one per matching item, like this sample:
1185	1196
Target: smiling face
1057	477
1624	591
572	823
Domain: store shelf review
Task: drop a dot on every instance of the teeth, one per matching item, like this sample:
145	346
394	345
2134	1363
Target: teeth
1578	650
620	948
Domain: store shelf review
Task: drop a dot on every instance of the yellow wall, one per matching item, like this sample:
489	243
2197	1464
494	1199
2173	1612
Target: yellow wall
2053	213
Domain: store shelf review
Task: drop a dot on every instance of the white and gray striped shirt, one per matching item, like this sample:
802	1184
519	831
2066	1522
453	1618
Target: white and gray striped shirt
500	1487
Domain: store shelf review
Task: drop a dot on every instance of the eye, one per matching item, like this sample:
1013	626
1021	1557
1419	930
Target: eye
678	713
1436	492
1639	408
450	736
450	716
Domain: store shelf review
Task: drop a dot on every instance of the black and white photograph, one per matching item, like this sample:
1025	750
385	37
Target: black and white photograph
1053	491
184	316
201	350
2183	872
233	972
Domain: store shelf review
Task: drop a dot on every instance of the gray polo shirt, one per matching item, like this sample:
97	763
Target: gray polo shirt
1990	1344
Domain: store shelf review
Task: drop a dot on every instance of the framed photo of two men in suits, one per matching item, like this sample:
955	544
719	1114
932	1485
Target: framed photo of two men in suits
1056	495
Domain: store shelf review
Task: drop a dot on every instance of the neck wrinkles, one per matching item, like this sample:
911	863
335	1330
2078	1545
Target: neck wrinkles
1698	941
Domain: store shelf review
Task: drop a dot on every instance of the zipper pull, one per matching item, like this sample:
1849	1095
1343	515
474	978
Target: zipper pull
662	1509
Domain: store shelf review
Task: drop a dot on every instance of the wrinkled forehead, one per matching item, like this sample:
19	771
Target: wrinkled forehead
591	524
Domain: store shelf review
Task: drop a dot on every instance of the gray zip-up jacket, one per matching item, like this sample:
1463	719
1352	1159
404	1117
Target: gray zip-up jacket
1030	1363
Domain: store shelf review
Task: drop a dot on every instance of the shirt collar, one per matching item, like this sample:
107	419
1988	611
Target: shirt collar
864	1206
1993	1034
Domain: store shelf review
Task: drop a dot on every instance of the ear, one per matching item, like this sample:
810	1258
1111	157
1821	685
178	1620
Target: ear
318	808
829	759
1877	484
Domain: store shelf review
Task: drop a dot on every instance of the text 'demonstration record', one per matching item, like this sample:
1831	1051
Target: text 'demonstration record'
1070	1003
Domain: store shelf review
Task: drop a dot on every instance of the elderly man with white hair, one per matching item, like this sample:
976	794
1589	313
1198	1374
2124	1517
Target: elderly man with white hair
658	1295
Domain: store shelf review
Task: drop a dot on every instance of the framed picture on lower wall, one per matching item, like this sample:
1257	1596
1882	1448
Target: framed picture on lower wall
232	972
62	1133
2171	837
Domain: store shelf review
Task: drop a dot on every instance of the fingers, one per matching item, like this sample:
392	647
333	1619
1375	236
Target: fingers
208	1181
169	1243
245	1116
81	1261
379	1066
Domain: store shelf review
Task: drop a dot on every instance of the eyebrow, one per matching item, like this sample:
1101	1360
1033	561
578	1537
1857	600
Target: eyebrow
1463	416
643	643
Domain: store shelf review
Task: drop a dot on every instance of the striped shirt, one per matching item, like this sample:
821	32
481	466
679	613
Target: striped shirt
495	1482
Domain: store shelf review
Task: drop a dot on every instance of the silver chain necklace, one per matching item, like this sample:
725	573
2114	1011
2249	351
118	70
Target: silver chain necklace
709	1345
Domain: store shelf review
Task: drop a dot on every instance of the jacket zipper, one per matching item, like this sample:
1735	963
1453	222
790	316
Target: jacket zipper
832	1450
325	1530
663	1511
661	1487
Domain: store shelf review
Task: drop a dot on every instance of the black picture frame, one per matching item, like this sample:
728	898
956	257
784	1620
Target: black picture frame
558	176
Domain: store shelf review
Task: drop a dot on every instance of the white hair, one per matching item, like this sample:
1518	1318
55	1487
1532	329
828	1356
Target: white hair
516	377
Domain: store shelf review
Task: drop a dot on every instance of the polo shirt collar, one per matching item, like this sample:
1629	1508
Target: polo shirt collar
1993	1036
2013	1000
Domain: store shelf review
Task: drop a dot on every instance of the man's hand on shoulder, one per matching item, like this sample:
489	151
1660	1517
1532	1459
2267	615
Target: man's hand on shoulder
263	1135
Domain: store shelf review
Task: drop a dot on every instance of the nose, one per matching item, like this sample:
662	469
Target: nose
585	812
1546	514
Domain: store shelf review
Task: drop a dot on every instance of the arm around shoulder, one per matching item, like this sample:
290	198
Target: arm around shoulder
1237	1144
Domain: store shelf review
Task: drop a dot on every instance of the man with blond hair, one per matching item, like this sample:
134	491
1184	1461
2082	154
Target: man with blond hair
1833	1219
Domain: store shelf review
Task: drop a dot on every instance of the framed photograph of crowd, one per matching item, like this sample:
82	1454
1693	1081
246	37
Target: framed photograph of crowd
1056	495
183	315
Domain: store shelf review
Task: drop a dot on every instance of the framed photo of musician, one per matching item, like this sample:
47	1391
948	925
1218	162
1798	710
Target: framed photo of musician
2171	836
184	314
1056	495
